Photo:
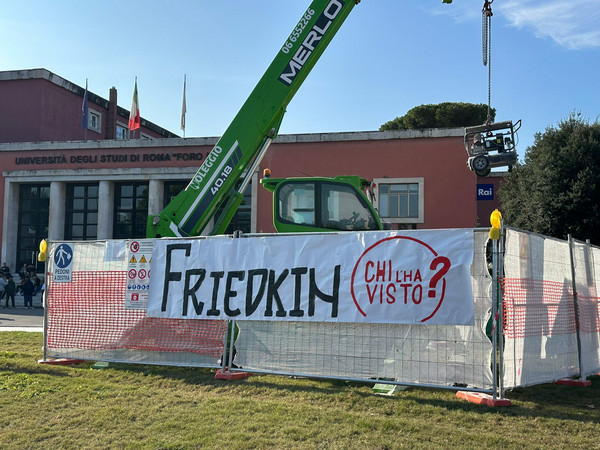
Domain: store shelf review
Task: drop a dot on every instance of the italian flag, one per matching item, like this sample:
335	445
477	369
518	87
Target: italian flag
134	114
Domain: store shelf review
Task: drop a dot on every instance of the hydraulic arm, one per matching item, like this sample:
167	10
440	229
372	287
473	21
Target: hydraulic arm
254	127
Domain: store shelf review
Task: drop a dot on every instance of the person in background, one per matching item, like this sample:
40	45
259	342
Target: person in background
20	285
3	283
37	284
5	269
43	289
23	271
9	291
28	289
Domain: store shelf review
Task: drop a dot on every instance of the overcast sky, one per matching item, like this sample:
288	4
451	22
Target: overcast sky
390	56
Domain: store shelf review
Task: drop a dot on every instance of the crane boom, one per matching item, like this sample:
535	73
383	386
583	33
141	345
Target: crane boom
253	128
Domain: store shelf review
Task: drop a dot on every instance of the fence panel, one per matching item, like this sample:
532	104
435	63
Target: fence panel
87	318
587	274
405	354
540	340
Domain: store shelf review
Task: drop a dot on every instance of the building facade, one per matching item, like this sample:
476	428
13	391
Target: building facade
58	184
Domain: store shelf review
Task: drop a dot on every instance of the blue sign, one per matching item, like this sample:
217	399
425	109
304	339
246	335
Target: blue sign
485	192
63	256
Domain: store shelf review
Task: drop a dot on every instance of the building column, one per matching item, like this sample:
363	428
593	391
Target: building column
106	209
10	225
56	215
156	194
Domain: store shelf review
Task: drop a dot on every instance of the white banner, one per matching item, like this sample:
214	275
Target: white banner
411	277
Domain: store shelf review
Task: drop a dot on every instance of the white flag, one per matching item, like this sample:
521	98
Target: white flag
183	107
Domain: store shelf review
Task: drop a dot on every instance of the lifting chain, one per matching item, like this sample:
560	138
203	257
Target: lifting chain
486	35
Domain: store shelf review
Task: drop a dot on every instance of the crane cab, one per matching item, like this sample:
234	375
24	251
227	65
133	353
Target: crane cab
318	204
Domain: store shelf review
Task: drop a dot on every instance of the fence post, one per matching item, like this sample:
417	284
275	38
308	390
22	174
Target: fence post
45	308
576	308
501	312
495	317
231	334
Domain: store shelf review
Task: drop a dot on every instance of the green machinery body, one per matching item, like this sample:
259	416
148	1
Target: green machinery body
316	204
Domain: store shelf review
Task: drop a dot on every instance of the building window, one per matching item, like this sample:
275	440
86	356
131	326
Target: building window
122	132
400	200
34	205
94	121
131	210
81	221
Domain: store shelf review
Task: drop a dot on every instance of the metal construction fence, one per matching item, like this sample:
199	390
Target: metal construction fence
551	309
550	324
87	318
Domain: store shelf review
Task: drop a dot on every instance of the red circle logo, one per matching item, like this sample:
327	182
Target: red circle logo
399	272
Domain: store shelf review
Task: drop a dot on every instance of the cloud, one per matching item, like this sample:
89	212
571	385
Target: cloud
459	11
571	24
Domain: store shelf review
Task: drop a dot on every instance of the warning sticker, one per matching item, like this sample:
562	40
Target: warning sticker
139	255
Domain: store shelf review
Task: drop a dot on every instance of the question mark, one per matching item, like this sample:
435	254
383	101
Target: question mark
439	274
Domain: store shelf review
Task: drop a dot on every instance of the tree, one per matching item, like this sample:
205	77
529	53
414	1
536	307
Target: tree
556	191
442	115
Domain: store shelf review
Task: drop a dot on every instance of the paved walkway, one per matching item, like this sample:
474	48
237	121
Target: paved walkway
21	319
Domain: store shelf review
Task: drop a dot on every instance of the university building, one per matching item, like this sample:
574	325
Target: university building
61	182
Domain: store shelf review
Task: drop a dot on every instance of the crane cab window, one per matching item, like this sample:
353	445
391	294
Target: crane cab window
344	210
322	204
297	203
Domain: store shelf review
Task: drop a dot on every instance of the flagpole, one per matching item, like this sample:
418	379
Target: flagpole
84	110
183	106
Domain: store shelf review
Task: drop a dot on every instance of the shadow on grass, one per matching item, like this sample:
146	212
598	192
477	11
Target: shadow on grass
548	401
544	401
206	376
33	370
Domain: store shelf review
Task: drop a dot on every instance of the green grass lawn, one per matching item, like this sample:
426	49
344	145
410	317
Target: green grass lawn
135	406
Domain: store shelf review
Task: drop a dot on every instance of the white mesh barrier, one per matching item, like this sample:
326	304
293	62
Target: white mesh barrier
87	318
587	274
547	335
409	354
540	320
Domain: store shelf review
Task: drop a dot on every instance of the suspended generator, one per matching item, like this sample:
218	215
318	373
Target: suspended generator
491	145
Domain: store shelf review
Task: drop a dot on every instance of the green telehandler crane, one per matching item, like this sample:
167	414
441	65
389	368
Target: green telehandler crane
300	204
211	198
244	143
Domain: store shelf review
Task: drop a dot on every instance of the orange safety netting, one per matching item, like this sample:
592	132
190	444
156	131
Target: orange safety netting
546	308
90	313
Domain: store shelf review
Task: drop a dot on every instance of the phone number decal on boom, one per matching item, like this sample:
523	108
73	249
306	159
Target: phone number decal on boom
310	42
298	30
